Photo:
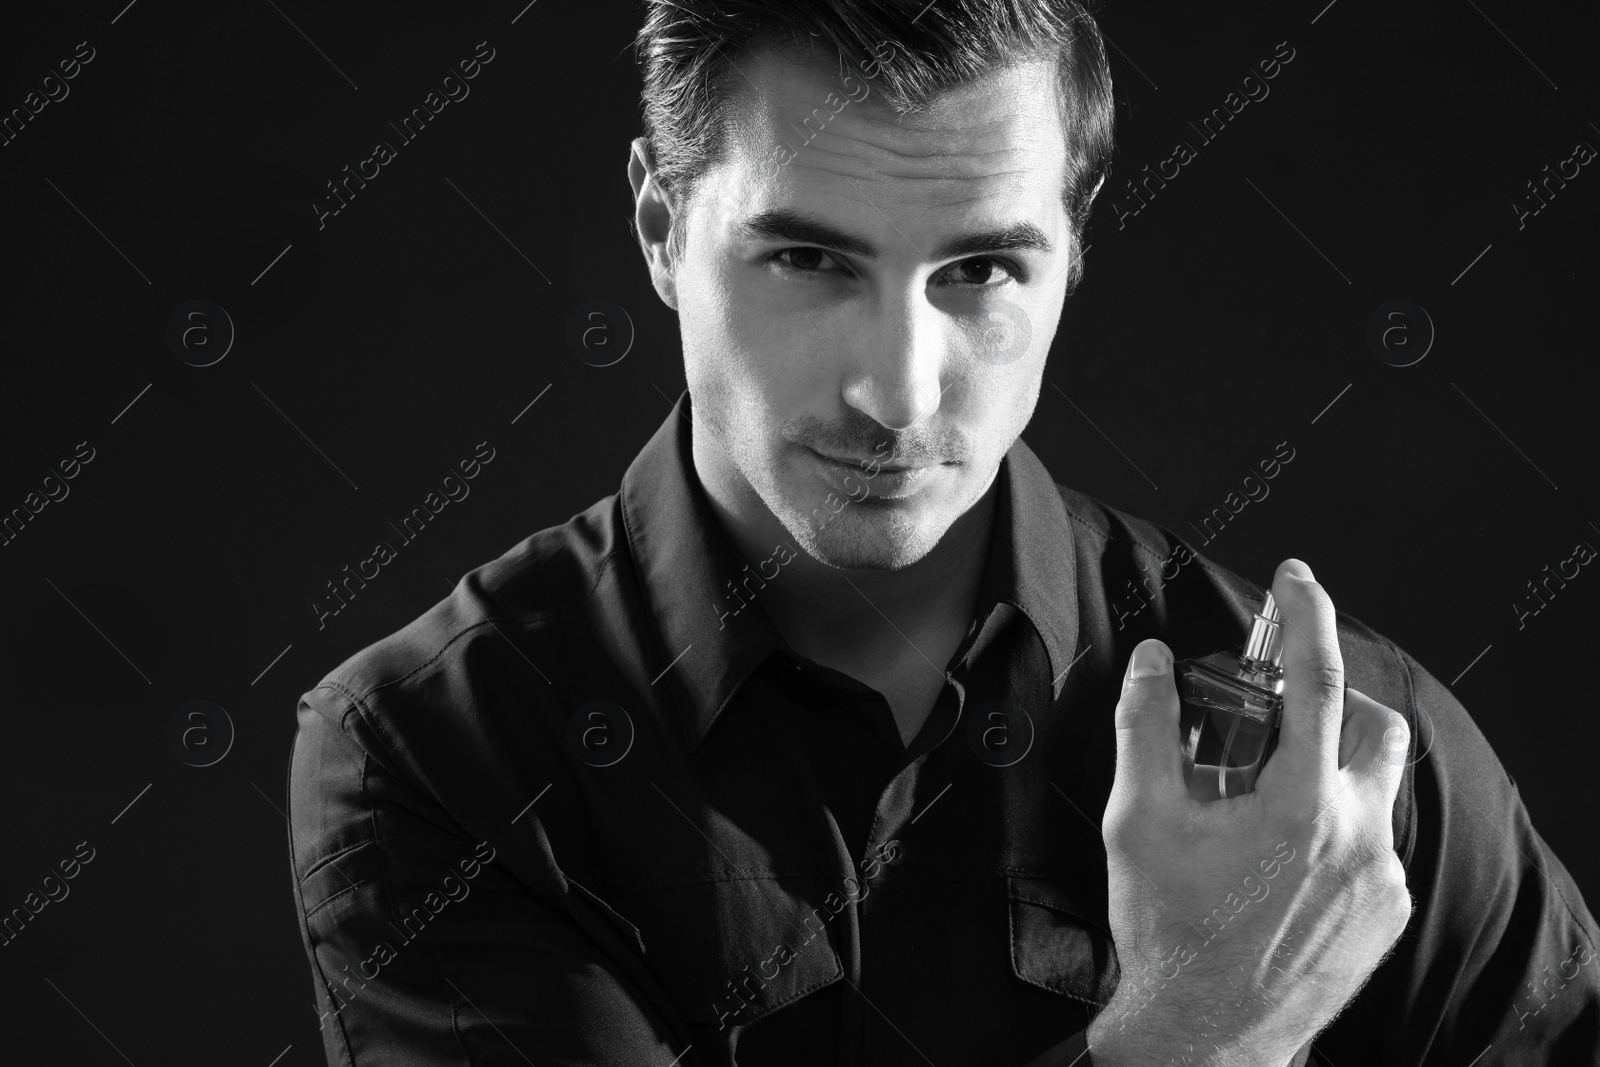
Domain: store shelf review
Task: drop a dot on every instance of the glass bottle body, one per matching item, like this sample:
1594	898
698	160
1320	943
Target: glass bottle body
1229	712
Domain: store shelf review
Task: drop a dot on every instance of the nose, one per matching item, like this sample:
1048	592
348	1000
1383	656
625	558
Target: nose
898	360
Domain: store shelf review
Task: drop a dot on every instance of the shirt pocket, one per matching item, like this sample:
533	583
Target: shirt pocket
730	952
1059	938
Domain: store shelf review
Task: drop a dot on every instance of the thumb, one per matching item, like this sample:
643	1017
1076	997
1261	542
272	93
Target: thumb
1148	761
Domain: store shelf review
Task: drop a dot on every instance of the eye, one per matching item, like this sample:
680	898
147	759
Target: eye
979	272
802	260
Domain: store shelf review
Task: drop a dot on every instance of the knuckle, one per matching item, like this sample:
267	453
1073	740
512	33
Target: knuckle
1123	838
1361	848
1382	867
1397	901
1117	824
1309	595
1396	873
1396	743
1324	675
1396	731
1374	855
1385	878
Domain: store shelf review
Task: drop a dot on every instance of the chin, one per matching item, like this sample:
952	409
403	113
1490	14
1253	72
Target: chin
864	538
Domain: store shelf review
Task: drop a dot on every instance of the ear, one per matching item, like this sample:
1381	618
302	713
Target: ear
653	216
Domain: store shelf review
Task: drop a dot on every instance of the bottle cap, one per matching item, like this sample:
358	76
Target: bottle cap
1265	644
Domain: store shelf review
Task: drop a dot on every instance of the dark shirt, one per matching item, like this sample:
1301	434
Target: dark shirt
584	811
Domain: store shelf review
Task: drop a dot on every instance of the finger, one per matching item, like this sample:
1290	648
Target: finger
1380	740
1313	675
1360	722
1148	760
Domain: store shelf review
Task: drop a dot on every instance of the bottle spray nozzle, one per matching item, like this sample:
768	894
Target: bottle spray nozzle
1264	648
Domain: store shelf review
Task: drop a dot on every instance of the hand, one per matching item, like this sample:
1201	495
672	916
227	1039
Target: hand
1243	925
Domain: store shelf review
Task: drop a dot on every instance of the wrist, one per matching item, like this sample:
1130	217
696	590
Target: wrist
1131	1028
1134	1032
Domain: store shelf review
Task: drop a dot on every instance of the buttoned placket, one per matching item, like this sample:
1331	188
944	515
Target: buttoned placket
834	855
896	809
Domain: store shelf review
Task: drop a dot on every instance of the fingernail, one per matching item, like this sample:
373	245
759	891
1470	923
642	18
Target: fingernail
1299	569
1150	660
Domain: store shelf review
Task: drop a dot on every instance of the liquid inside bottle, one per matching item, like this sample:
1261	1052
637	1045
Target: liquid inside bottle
1230	705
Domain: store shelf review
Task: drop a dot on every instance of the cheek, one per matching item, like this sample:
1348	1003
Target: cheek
716	352
748	331
1001	397
739	367
994	336
1024	384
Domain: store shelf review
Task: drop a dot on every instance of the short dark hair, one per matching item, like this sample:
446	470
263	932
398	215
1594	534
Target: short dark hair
688	49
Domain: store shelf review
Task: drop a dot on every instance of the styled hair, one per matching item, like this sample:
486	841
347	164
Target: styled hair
688	51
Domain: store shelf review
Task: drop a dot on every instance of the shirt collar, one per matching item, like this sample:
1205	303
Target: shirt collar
684	560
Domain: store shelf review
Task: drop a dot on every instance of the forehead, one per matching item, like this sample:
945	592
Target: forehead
994	142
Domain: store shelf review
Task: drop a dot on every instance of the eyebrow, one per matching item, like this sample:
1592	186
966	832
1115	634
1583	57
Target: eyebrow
782	224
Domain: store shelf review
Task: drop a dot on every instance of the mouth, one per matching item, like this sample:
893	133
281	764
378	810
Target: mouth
891	483
864	464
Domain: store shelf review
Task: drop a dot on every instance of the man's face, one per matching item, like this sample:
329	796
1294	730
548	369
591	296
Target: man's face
884	300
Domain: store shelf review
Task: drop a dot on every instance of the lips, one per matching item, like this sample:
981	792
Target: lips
888	468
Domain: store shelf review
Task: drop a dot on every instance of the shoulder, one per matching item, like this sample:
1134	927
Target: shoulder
520	600
460	716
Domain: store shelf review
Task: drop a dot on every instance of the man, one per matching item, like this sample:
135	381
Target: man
832	737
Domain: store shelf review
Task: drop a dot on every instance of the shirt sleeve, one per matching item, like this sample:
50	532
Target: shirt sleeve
426	951
1499	959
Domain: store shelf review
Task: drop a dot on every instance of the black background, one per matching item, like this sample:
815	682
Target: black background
377	352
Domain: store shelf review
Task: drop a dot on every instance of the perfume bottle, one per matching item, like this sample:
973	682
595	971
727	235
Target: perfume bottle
1230	704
